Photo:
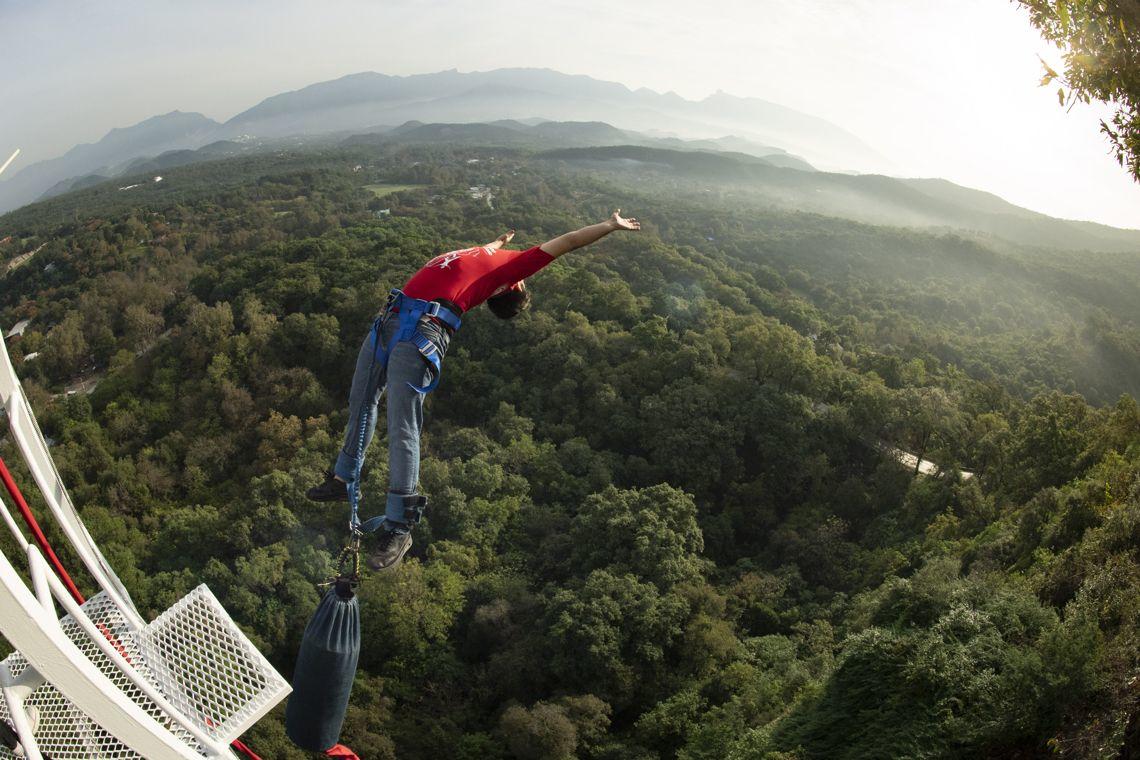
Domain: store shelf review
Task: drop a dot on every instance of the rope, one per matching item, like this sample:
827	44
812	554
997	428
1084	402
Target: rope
347	576
239	746
410	312
11	740
353	486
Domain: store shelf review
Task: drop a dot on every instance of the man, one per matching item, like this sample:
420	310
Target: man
403	353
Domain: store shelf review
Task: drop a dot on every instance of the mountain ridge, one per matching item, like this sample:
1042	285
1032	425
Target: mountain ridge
759	178
353	109
176	130
356	102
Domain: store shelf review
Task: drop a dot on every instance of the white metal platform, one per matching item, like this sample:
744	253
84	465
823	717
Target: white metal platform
104	683
201	663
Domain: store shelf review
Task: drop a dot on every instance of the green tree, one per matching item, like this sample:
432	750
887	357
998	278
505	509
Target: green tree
930	418
1101	44
67	350
543	732
141	326
612	635
651	532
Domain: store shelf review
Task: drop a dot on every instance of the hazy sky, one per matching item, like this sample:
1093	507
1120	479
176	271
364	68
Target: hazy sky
942	88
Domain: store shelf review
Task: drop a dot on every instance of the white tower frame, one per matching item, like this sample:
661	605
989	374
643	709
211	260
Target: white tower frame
49	655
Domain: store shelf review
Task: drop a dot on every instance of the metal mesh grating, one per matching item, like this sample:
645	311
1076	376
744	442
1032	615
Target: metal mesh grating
193	654
64	732
207	668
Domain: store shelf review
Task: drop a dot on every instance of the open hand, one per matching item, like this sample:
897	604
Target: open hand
505	237
621	223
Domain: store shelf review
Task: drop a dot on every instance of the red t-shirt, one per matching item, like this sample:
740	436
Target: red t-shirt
469	277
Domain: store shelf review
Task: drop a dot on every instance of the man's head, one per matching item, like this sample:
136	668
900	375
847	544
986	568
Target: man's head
510	302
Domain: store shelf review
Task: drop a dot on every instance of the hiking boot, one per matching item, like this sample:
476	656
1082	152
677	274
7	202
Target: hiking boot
331	490
391	547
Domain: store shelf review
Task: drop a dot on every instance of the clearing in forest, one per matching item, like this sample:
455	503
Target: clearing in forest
382	189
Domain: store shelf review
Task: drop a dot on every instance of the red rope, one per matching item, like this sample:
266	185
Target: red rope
34	527
45	547
240	746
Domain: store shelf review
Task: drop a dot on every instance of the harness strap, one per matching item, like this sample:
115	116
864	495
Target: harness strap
410	311
431	354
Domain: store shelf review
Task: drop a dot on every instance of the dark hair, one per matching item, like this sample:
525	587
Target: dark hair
508	303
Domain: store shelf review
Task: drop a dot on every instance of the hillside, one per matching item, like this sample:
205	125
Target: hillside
775	178
543	110
978	300
874	199
660	525
175	130
114	157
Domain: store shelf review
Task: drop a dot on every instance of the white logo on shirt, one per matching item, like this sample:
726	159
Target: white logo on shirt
444	260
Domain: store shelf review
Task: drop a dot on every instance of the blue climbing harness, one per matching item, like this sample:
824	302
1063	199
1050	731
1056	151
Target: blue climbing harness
410	312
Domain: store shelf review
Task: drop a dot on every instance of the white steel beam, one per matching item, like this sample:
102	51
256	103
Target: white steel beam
42	576
12	526
30	440
35	632
19	718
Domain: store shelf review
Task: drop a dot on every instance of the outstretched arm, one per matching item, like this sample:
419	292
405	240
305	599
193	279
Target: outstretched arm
501	240
578	238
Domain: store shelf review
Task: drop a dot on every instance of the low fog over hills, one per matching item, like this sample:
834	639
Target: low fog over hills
784	157
370	102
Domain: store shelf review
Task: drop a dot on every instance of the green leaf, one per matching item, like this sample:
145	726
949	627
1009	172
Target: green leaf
1061	95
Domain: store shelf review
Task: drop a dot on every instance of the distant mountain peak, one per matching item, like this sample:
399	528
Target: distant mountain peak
177	119
356	102
176	130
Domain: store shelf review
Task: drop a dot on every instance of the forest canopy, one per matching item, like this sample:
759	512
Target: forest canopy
667	518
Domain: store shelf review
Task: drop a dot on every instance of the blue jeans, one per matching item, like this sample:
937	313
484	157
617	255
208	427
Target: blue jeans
405	406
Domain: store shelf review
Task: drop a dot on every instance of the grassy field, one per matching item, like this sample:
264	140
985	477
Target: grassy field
382	189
